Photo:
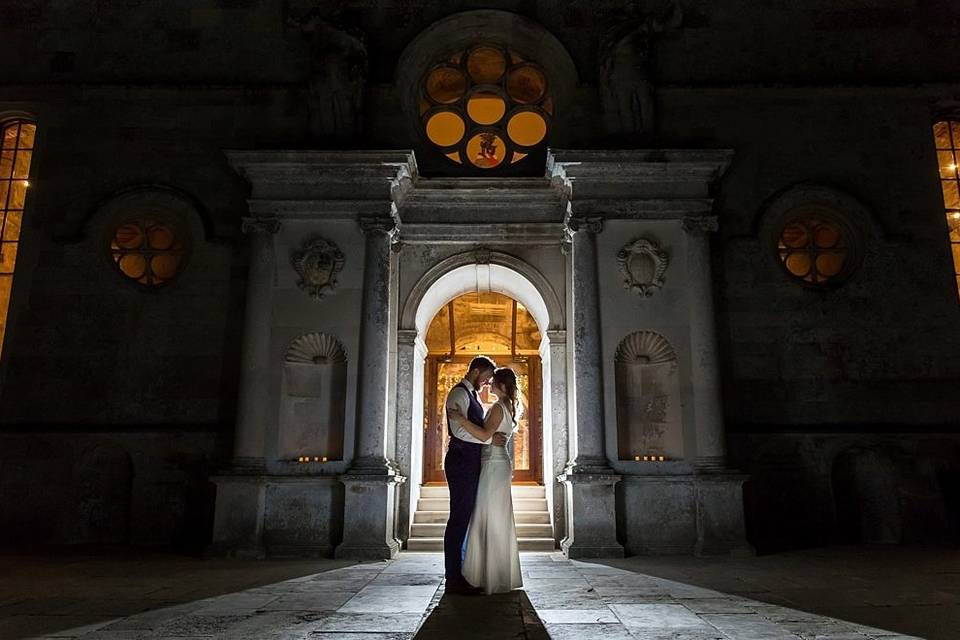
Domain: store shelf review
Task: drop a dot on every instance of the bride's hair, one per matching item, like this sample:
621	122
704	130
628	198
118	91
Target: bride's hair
506	378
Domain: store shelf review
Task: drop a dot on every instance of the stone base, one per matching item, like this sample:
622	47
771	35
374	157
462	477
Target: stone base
591	515
369	528
238	517
698	514
277	516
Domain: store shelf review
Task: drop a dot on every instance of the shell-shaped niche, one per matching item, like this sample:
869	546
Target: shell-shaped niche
645	347
315	348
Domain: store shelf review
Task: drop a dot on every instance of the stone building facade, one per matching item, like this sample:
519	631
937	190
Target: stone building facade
725	220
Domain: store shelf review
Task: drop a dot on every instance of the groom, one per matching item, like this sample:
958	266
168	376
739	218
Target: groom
462	468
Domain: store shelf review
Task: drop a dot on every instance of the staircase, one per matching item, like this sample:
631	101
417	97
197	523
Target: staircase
534	531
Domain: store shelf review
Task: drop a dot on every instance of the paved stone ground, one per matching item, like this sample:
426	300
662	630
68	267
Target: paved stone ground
163	597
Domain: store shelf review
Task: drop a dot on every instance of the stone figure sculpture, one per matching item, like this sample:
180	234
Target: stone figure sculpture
626	85
338	75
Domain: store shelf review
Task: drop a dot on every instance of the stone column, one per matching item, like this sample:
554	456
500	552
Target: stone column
560	431
238	517
369	528
704	365
589	479
411	352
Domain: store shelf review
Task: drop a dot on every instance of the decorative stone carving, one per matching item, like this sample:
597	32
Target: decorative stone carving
338	74
626	85
642	264
260	225
645	348
313	403
647	394
318	262
315	348
590	225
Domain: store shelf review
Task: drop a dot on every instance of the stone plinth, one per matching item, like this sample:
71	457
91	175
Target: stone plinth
238	519
302	516
368	517
591	515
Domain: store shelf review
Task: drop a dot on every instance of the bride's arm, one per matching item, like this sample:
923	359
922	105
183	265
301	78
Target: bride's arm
490	422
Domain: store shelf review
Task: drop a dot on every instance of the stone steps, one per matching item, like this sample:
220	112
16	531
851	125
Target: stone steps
524	544
534	531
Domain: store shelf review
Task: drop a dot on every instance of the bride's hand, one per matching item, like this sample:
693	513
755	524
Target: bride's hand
499	439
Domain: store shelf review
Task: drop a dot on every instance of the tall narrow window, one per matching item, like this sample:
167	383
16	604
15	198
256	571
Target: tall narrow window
16	151
947	137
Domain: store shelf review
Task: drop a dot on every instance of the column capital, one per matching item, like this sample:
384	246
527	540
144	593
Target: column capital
379	224
700	225
557	336
254	224
590	225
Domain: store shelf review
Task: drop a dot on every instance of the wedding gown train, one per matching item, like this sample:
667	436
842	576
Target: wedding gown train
493	559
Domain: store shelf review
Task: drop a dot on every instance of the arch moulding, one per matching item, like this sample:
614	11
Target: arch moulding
538	295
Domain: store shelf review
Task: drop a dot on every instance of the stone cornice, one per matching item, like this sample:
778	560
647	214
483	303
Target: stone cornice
664	184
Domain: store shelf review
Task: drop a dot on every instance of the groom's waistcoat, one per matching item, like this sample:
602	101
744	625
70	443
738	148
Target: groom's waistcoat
474	411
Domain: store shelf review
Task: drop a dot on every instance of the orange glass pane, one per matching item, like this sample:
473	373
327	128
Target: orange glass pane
164	266
486	108
955	132
794	236
455	156
5	285
18	193
486	150
27	133
955	248
21	165
133	265
830	264
948	164
446	84
825	235
941	135
160	237
8	256
4	190
128	236
486	64
951	196
10	136
445	128
11	225
526	84
527	128
517	157
6	163
953	223
798	264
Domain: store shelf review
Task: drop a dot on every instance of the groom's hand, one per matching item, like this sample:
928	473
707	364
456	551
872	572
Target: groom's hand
499	439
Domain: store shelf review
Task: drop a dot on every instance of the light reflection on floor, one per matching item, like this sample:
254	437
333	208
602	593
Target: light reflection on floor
404	598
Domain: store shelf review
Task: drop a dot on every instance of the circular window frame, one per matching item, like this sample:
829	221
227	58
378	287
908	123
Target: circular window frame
140	203
500	126
138	216
849	233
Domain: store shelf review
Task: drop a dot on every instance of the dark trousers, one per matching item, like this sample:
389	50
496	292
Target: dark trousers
462	468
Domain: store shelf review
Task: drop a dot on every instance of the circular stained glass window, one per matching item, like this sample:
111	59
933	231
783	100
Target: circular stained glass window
815	249
486	107
148	250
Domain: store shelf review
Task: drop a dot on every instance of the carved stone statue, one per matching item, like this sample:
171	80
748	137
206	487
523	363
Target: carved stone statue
626	85
338	76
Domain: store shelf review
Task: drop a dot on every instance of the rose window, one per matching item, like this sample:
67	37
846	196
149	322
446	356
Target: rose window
148	250
814	249
486	107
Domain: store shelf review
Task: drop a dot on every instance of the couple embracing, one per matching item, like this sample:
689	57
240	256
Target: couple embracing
480	542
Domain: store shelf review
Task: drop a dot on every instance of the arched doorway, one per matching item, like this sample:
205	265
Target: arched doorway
500	327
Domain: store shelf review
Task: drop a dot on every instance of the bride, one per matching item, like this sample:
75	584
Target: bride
492	558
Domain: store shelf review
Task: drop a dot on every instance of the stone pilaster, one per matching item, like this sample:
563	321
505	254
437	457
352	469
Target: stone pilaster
369	530
588	478
411	352
248	448
239	513
704	365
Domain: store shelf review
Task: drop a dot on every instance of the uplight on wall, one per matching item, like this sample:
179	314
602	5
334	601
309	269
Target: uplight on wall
649	458
305	459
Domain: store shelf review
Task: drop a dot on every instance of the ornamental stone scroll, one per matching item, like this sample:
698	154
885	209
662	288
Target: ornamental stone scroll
317	262
643	264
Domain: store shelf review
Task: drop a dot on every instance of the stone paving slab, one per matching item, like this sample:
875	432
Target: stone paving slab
405	598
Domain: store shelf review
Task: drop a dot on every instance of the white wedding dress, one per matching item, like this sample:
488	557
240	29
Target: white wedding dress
493	559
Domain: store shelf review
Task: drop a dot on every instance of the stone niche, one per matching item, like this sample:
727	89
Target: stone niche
648	402
312	403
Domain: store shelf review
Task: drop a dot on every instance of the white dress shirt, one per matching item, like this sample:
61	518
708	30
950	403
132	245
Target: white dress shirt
460	398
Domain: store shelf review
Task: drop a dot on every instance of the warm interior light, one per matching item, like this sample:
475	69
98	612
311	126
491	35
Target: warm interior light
636	458
323	459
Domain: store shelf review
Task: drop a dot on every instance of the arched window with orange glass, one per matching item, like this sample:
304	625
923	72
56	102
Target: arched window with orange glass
486	107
